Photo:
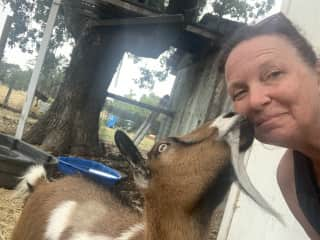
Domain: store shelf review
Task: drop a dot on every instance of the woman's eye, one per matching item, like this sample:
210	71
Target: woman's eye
238	95
274	74
162	147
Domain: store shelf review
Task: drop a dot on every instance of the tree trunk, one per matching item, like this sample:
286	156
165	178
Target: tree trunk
6	99
71	124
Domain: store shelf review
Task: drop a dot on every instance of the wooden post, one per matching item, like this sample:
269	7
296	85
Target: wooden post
145	126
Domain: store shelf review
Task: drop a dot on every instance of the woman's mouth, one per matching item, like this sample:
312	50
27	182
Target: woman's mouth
268	121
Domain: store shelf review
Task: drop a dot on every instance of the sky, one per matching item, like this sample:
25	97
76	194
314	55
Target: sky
129	71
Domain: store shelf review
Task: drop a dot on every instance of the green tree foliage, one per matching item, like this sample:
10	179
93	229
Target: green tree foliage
148	77
151	99
242	10
29	22
13	76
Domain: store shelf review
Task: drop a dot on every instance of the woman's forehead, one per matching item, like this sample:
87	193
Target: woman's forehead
258	50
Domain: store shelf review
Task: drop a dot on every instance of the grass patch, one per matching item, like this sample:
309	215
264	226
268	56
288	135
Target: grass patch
107	135
17	98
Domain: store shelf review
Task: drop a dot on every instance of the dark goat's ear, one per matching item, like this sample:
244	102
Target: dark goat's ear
132	154
246	135
127	147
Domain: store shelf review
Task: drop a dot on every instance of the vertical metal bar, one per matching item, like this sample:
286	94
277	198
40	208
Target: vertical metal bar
36	71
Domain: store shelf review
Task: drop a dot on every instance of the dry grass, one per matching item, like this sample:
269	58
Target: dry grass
10	210
9	122
17	97
107	134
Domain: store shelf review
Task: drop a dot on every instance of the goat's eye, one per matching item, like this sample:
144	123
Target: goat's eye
162	147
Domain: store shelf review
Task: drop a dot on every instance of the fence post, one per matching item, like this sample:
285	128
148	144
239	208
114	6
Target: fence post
145	126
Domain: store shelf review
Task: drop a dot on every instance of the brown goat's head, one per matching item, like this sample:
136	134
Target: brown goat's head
180	169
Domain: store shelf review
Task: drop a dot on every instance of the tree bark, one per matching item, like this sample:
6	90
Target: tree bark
6	99
71	124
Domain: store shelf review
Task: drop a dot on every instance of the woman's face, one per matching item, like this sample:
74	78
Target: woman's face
271	84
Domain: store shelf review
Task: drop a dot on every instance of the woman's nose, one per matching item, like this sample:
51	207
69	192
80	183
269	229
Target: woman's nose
258	98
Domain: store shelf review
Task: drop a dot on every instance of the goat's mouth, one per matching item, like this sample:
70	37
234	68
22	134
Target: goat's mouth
228	122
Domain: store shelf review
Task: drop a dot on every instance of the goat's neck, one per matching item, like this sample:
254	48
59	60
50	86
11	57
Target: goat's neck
169	222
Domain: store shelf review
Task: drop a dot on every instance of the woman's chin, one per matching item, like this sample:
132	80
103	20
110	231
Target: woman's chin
273	139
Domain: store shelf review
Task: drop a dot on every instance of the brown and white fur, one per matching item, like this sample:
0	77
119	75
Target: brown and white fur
177	181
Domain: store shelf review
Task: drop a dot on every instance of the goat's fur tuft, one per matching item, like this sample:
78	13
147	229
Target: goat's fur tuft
33	176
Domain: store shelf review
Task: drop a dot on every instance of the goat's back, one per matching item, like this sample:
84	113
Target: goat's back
79	204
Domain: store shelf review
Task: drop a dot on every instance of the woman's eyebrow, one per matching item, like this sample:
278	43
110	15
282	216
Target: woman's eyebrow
236	85
268	64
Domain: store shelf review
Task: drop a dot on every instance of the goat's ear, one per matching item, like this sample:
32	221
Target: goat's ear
133	156
246	135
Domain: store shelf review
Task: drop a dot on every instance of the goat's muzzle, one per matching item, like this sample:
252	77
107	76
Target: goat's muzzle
228	122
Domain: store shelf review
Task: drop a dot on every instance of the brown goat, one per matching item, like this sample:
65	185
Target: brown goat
177	181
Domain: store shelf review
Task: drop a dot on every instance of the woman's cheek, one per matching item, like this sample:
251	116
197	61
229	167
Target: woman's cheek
240	107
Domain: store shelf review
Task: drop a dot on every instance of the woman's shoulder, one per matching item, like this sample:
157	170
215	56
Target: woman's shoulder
285	171
287	182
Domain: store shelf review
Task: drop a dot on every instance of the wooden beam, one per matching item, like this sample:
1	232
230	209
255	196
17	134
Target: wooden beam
130	7
139	104
164	19
201	31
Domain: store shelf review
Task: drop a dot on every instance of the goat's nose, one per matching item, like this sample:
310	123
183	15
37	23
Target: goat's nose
225	122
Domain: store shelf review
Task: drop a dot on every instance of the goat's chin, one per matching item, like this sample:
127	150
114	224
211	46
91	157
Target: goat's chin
246	135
